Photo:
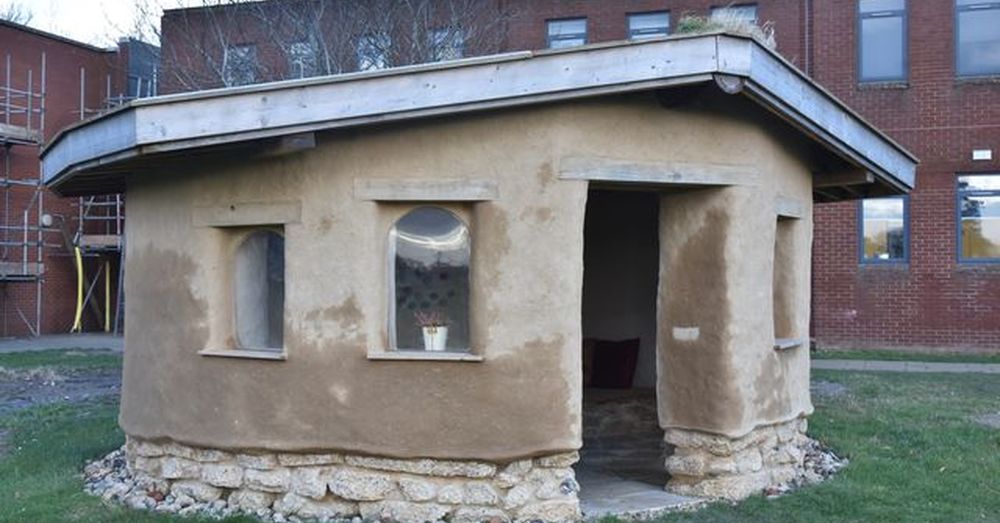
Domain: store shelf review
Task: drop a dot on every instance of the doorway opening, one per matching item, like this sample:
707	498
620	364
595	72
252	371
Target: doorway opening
621	467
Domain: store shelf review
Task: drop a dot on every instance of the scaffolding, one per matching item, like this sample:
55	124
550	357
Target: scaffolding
87	234
22	234
98	238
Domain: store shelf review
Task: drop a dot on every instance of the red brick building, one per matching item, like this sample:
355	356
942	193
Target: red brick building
920	271
46	83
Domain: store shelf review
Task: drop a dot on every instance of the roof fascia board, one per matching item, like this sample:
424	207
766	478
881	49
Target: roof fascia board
388	97
188	120
103	138
819	114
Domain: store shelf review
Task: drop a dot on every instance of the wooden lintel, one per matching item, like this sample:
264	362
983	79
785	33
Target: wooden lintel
415	190
843	178
786	207
237	214
599	169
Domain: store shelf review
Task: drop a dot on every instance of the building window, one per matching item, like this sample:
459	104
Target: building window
570	32
736	13
373	51
447	44
979	218
884	230
881	40
783	282
303	61
429	249
977	37
239	65
648	25
259	282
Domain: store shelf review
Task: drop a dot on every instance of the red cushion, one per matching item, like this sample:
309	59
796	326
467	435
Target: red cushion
614	363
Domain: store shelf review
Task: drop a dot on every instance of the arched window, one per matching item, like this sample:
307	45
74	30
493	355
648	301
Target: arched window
260	291
429	252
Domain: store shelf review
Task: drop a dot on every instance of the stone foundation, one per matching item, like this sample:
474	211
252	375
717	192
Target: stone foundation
327	486
714	466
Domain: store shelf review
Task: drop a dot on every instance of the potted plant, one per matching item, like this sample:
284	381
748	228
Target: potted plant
435	329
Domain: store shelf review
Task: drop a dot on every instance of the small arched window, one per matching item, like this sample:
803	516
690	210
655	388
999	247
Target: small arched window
429	252
260	291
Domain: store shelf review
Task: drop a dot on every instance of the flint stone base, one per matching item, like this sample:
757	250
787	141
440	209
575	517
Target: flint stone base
713	466
325	486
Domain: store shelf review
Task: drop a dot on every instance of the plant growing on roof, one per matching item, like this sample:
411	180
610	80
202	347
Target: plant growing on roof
728	21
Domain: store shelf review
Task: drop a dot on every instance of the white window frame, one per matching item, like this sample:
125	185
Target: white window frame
391	287
551	38
234	55
372	51
447	43
643	34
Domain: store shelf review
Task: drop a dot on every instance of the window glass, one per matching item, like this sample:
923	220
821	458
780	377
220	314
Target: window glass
977	24
979	217
566	33
742	13
648	25
783	281
447	44
430	249
260	291
882	40
883	230
302	59
373	51
239	65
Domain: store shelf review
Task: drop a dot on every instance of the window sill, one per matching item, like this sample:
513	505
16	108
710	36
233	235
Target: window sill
418	355
990	79
245	354
788	343
901	265
978	265
888	85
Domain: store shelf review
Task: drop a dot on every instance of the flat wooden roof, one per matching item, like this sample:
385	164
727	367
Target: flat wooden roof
97	155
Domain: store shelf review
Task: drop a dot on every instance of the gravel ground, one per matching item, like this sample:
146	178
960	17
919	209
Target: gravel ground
820	463
23	388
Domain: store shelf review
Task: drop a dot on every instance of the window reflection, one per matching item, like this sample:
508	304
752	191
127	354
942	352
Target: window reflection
883	229
978	37
260	291
979	215
430	256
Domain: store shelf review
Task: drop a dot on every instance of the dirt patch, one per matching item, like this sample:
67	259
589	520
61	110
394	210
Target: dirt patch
991	420
23	388
827	389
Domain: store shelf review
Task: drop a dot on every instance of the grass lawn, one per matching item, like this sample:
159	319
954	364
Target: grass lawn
891	355
45	448
62	359
915	456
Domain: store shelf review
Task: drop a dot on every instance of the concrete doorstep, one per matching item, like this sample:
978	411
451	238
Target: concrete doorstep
603	495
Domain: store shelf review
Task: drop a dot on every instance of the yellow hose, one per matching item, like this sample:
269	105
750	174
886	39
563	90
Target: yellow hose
107	296
77	327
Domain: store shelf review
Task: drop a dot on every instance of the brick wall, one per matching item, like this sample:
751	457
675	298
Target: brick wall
64	60
932	301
